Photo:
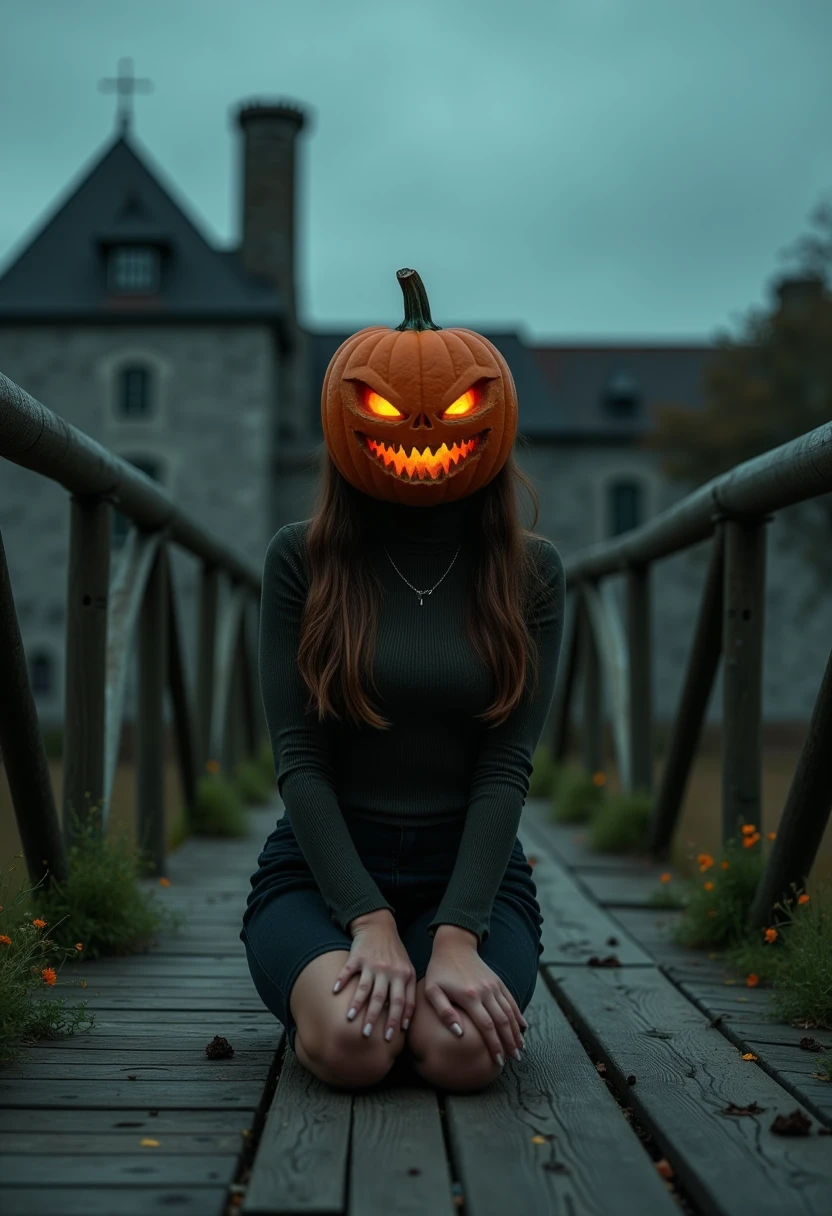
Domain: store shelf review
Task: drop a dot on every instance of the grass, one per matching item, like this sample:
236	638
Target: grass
577	795
620	822
719	901
544	773
101	909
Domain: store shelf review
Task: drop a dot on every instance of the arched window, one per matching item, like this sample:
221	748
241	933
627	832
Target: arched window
121	524
625	505
42	673
134	392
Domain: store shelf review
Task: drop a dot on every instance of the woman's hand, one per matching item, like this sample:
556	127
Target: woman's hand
377	953
457	973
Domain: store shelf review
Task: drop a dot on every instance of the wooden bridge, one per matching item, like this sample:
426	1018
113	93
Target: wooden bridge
650	1082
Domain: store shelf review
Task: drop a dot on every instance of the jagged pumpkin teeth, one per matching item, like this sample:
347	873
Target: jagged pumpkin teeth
420	366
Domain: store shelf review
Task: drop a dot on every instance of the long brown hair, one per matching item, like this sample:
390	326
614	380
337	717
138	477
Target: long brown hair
337	637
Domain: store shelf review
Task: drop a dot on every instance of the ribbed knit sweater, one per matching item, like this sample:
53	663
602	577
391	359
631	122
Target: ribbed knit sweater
437	763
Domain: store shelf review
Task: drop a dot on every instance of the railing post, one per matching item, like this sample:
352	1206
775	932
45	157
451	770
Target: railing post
250	692
703	661
805	814
21	745
153	664
205	670
592	741
185	744
640	681
88	588
565	685
743	612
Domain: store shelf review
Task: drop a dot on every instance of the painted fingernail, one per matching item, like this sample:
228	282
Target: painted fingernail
517	1055
500	1061
367	1031
388	1034
337	985
522	1043
350	1015
456	1028
405	1023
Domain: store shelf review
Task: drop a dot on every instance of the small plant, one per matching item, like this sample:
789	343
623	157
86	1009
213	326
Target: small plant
544	773
665	896
620	823
254	785
719	902
803	978
577	795
823	1068
219	809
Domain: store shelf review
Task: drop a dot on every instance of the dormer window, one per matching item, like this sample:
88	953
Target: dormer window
134	269
622	396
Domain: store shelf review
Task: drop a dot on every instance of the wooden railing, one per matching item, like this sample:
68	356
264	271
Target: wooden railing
732	510
107	611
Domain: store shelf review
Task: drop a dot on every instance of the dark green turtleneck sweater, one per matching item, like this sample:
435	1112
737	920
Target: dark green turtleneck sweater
437	763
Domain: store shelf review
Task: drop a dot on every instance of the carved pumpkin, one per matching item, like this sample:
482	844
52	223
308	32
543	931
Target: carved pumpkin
418	414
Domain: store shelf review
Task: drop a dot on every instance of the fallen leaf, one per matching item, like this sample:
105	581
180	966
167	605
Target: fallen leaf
219	1048
749	1055
664	1168
610	961
538	1140
795	1124
149	1143
532	860
601	1068
716	1020
753	1108
130	1077
809	1044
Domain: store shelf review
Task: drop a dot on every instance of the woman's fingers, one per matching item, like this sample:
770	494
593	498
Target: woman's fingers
409	1002
514	1026
444	1009
381	987
396	1010
359	999
349	968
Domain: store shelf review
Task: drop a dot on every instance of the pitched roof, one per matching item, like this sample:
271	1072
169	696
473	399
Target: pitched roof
561	389
61	273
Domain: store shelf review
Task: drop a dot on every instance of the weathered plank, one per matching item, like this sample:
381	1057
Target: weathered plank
614	889
398	1162
149	1037
574	928
227	1071
537	1138
134	1169
301	1160
179	1144
140	1120
122	1095
188	1057
685	1076
568	844
104	1201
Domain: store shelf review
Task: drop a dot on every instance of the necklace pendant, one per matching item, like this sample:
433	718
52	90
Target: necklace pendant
421	601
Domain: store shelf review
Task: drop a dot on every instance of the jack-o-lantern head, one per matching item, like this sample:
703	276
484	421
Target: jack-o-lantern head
418	414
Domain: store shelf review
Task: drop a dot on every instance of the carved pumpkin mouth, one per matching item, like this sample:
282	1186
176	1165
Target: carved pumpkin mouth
427	465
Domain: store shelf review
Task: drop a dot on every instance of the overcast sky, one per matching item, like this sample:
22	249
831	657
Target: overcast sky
582	169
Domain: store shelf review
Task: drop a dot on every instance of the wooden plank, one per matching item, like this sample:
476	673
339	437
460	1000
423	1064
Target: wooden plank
125	1095
301	1160
138	1120
398	1161
685	1077
568	844
189	1057
574	928
135	1170
536	1140
174	1036
613	890
104	1201
220	1071
165	1002
93	1143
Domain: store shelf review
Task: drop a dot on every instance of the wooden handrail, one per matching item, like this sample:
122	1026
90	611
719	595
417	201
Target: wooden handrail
108	612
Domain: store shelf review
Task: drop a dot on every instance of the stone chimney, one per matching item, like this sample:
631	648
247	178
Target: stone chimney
268	205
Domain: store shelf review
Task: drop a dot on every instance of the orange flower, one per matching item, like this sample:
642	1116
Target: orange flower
705	861
5	940
752	980
164	882
212	766
599	778
750	841
709	886
664	878
49	975
748	829
38	923
725	865
749	1055
771	935
79	945
803	899
771	835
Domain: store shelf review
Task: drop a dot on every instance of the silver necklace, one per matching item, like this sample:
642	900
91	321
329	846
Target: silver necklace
421	594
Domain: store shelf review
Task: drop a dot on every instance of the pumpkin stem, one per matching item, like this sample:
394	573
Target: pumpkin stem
416	306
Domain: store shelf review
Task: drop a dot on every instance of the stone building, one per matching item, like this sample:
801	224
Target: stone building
191	361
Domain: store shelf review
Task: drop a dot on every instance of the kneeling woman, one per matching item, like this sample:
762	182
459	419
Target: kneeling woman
393	909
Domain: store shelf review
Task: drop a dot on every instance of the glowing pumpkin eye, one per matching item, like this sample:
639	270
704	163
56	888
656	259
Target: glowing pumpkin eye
380	406
462	405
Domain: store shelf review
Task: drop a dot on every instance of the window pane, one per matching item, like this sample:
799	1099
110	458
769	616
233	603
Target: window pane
134	398
626	506
134	268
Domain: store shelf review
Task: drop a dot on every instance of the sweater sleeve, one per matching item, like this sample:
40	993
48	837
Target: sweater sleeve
501	776
301	745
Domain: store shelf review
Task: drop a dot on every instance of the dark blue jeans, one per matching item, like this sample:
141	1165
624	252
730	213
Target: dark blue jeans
286	922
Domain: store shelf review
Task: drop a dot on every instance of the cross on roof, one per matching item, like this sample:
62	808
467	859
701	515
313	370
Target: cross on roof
125	85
